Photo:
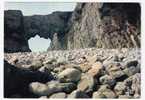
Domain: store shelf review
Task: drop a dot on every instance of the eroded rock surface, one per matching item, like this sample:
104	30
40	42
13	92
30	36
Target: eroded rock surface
14	33
101	25
105	25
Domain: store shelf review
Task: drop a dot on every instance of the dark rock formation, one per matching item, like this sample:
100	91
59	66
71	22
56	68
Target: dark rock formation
101	25
105	25
55	44
16	80
47	25
14	39
19	28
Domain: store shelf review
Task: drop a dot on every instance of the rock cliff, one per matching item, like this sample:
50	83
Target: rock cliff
46	25
105	25
14	39
100	25
19	28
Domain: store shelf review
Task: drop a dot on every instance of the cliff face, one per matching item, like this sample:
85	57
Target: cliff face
55	44
46	26
105	25
100	25
19	29
14	39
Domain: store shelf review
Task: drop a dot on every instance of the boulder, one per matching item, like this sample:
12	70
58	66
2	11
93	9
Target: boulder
114	70
131	63
36	64
104	92
70	75
50	88
95	69
58	95
86	83
85	67
39	89
103	87
61	87
109	94
43	97
47	68
106	79
98	95
131	70
136	84
49	61
78	94
120	88
124	97
92	59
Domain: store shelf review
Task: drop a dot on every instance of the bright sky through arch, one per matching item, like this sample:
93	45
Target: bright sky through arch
38	44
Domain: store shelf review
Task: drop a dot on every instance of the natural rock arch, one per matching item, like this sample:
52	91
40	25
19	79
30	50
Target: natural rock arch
22	28
113	25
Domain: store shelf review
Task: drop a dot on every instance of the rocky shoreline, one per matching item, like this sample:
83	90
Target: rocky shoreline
80	73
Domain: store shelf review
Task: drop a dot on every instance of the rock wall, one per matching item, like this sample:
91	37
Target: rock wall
19	29
47	25
81	73
14	40
105	25
101	25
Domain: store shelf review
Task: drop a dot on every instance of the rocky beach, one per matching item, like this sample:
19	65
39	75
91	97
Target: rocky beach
95	52
80	73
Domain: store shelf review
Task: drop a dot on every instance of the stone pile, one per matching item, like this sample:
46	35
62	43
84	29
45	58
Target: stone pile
83	73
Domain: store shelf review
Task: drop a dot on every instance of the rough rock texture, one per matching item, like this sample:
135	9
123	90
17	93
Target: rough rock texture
70	75
38	74
105	25
19	29
55	43
101	25
77	73
14	32
58	95
47	26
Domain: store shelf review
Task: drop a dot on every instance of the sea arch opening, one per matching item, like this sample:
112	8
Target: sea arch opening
39	44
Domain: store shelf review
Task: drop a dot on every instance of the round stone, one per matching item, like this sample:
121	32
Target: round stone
58	95
70	75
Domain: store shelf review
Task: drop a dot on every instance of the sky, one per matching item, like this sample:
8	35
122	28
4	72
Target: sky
38	44
41	8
